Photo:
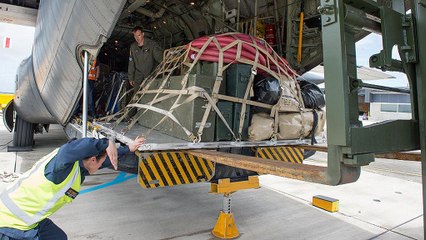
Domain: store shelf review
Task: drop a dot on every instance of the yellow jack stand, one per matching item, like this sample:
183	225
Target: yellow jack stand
225	226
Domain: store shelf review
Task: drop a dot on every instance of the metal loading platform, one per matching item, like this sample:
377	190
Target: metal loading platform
226	169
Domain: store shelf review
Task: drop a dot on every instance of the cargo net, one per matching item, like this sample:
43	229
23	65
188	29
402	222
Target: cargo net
163	94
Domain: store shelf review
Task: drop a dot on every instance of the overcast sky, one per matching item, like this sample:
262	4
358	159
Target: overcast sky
22	38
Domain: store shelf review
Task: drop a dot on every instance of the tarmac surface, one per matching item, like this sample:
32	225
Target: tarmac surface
385	203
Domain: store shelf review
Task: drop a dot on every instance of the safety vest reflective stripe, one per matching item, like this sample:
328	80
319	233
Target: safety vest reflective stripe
18	212
92	72
9	203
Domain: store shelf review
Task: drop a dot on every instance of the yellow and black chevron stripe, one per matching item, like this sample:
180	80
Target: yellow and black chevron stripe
162	169
285	154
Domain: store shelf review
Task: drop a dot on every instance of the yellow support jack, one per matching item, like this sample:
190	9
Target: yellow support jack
225	227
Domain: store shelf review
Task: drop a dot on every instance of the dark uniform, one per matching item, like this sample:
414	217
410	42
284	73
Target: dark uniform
142	60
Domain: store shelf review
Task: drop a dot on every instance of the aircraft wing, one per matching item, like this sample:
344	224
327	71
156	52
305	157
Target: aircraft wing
316	75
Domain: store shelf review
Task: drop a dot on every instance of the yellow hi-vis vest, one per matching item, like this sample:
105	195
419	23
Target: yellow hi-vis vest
33	197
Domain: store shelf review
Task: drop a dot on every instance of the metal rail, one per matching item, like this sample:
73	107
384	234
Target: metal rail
200	145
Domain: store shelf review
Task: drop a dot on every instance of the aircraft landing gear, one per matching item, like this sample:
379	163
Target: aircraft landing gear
23	136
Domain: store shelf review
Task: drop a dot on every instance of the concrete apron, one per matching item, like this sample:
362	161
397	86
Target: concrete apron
113	206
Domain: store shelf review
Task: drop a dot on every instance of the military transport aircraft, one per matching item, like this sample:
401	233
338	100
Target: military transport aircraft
204	41
228	81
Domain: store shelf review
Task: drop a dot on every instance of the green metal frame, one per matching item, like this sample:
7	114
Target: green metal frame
351	145
419	13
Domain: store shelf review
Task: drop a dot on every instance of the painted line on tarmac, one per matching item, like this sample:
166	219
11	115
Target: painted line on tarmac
122	177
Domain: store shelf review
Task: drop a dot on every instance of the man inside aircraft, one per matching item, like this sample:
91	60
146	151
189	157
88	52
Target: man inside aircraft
51	183
93	76
145	54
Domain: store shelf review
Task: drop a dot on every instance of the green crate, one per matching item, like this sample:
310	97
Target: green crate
236	120
189	114
237	78
222	132
205	68
231	112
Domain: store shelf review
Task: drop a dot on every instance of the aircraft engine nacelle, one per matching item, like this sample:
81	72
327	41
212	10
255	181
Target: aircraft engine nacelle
28	102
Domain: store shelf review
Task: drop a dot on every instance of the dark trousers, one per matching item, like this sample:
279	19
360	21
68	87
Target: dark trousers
46	230
91	110
91	98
